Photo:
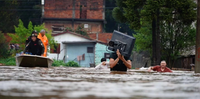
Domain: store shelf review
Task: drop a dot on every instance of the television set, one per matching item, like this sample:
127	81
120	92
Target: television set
123	42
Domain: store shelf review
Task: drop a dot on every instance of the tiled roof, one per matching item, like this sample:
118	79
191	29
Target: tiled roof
102	41
103	37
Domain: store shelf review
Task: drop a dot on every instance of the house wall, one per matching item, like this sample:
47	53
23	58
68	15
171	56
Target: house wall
94	26
74	50
100	49
72	8
61	38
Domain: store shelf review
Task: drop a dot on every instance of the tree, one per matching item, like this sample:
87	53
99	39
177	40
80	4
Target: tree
144	39
22	33
4	50
30	10
111	23
13	10
137	12
8	15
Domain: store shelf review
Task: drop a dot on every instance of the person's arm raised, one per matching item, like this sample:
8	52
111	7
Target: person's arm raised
113	62
126	63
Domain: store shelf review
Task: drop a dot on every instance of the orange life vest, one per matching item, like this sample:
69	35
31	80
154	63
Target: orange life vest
45	43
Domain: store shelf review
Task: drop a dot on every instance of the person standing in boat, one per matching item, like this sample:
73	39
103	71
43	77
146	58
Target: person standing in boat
29	38
44	40
118	62
161	68
35	46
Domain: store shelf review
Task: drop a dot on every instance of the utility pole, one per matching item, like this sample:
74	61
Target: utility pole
197	56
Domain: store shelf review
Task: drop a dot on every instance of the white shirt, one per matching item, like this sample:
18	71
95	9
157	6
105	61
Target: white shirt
100	66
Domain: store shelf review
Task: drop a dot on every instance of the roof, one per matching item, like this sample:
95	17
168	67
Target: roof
73	33
78	42
73	19
103	37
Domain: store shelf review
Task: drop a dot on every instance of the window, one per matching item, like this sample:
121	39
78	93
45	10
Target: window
107	55
94	6
56	49
90	50
57	28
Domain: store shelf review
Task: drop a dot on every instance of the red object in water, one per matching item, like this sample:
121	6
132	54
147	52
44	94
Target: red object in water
158	69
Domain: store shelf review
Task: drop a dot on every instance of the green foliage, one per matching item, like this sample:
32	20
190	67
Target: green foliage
4	49
80	30
22	33
173	19
143	39
8	17
58	63
61	63
72	64
8	61
69	29
13	10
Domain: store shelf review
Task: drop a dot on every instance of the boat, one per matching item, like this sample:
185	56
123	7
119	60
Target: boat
33	61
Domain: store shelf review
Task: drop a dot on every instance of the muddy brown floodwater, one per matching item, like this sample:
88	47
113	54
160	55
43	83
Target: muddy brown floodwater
88	83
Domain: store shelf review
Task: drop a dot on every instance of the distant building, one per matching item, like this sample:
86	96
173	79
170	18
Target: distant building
72	46
59	14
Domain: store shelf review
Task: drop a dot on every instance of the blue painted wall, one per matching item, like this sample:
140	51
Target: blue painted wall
74	50
100	49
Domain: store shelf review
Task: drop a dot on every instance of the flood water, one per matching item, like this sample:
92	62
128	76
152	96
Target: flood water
88	83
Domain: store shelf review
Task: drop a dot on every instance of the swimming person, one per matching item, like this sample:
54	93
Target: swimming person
161	68
118	62
103	64
35	46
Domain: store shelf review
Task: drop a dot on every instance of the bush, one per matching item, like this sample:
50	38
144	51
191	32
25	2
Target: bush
61	63
72	64
4	49
8	61
58	63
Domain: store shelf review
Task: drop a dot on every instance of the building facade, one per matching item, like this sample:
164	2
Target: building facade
59	14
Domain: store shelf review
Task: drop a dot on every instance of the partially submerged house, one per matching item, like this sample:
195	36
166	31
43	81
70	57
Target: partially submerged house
75	47
61	14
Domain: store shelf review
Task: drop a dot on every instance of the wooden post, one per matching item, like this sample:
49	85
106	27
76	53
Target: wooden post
197	56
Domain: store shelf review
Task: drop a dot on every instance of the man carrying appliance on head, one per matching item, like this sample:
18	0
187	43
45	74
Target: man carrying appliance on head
118	62
122	46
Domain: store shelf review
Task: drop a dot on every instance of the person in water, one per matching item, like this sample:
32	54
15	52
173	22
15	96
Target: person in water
160	68
103	64
44	40
35	46
29	38
118	62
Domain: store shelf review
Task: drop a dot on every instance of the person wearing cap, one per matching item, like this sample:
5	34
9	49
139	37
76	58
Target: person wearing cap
29	38
35	46
44	40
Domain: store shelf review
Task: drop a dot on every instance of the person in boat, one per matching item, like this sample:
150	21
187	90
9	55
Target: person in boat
29	38
160	68
35	46
103	64
118	62
44	40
